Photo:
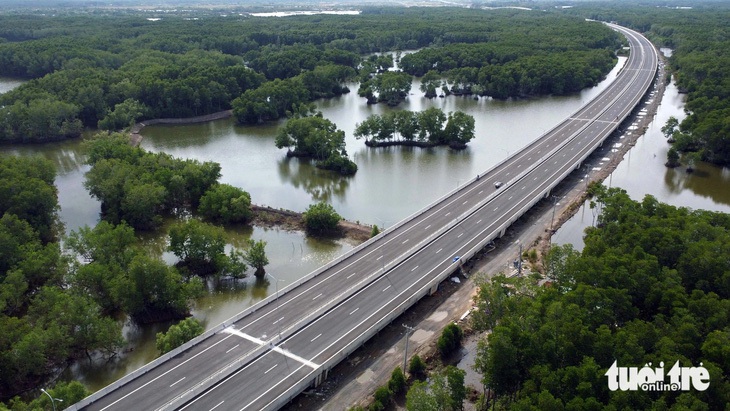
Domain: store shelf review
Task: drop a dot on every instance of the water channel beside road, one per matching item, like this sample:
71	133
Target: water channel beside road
642	172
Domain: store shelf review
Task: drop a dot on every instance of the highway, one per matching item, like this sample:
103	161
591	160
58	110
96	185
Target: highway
269	354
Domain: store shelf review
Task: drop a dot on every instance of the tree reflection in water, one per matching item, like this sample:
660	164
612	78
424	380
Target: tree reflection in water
322	185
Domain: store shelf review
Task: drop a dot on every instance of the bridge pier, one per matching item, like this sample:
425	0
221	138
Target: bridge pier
433	289
320	378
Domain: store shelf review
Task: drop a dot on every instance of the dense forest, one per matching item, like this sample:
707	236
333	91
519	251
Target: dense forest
651	285
700	39
43	322
109	72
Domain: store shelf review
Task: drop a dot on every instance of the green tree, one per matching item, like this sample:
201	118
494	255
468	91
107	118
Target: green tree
672	158
397	381
459	129
669	128
226	204
178	334
317	138
255	256
431	122
430	82
156	292
201	249
125	114
450	339
392	86
27	191
142	205
419	398
416	367
382	397
457	390
321	218
444	391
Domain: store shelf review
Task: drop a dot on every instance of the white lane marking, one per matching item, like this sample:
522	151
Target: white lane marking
163	374
318	335
479	221
447	214
465	202
231	330
523	187
274	323
414	268
529	159
439	250
480	192
217	405
348	277
233	348
427	227
177	381
496	208
379	257
458	236
510	197
386	288
272	367
318	295
508	173
353	311
406	240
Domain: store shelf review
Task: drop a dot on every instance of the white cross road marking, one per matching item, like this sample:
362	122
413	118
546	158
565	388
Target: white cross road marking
231	330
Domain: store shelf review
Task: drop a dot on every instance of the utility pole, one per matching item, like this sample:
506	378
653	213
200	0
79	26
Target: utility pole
405	352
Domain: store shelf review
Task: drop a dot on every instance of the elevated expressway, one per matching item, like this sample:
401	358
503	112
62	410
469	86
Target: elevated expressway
268	354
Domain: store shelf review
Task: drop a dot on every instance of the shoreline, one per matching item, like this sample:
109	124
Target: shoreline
136	138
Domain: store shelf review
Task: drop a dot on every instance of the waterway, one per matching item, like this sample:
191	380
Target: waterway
391	184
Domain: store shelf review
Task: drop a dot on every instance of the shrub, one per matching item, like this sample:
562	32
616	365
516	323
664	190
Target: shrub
450	339
417	368
225	204
375	231
321	217
178	335
382	395
397	381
